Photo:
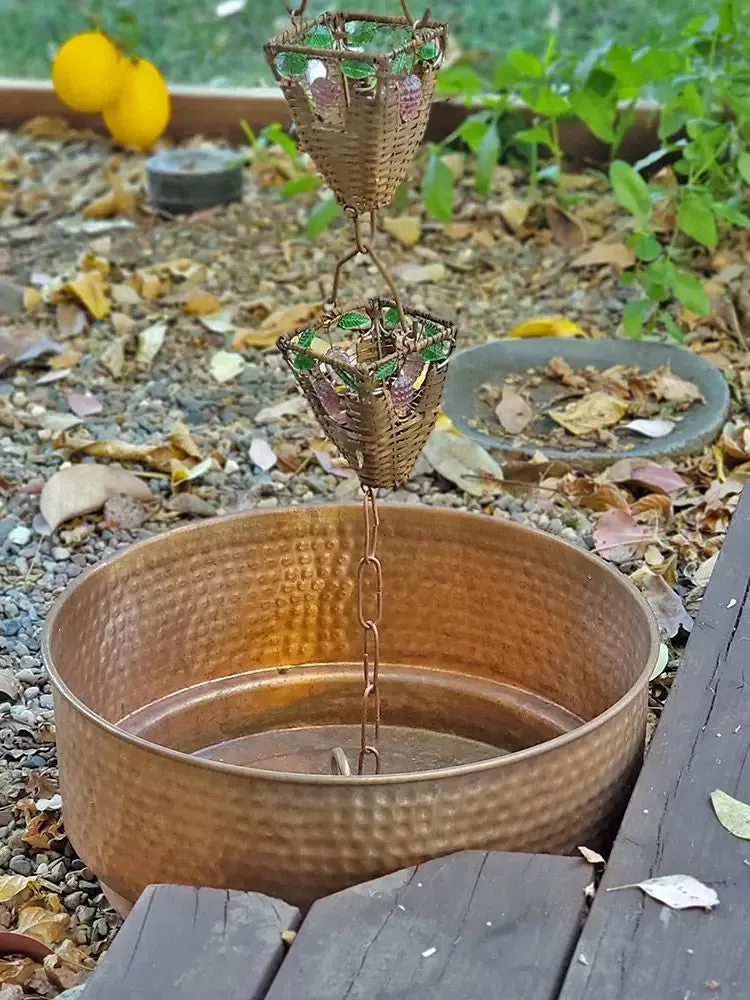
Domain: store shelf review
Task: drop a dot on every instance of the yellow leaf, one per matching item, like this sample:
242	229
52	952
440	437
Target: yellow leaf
548	326
406	228
32	299
281	321
514	213
202	304
149	287
118	201
12	885
43	925
182	439
89	288
444	423
591	414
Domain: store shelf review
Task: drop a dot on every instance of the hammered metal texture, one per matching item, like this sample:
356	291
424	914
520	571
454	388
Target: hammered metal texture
464	593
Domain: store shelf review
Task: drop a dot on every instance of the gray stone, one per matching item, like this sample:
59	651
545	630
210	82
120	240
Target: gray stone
21	865
11	298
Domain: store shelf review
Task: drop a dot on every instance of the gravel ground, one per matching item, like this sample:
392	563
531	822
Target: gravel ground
253	259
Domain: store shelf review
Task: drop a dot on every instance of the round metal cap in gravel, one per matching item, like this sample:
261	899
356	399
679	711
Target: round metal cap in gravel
188	180
491	363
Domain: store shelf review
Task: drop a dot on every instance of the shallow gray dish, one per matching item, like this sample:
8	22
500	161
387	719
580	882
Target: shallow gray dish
476	366
190	180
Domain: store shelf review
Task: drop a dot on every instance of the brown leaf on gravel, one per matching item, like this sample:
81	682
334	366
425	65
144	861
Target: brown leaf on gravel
514	213
605	496
71	320
513	411
158	457
281	321
90	289
407	229
40	923
81	489
653	504
119	200
603	253
41	830
202	304
566	229
667	606
617	536
181	438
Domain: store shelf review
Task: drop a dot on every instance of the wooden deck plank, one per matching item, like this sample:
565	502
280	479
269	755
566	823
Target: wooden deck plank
181	943
472	926
632	947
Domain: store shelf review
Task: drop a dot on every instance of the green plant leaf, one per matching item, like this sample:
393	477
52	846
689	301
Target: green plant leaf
321	217
689	291
633	317
672	328
301	185
743	165
525	64
597	112
630	189
538	134
473	130
487	157
460	79
437	189
673	116
274	135
647	248
696	219
546	102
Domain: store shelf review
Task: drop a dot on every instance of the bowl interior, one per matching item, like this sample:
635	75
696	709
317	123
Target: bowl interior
203	637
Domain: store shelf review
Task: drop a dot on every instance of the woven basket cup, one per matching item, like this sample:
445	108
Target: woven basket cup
361	115
378	401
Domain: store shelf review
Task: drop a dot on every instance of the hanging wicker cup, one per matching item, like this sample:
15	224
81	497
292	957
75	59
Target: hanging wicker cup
378	400
360	114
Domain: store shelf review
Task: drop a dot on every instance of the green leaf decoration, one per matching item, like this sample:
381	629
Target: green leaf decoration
306	338
391	318
354	321
385	370
356	70
431	330
435	352
361	32
429	50
319	37
291	64
403	62
302	363
348	380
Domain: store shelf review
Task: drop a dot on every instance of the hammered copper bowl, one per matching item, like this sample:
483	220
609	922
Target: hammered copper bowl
474	605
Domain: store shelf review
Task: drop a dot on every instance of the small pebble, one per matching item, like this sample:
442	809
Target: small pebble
21	865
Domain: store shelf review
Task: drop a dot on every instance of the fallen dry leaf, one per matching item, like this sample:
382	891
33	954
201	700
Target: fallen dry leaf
421	274
566	229
651	428
463	462
603	253
407	229
733	815
13	885
673	389
39	923
593	857
201	304
679	892
81	489
90	289
666	605
547	326
83	404
181	438
654	503
291	406
113	357
617	536
119	200
514	213
513	411
41	830
262	454
658	477
71	320
593	413
225	365
150	342
282	321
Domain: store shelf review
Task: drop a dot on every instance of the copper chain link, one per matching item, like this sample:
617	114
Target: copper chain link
370	580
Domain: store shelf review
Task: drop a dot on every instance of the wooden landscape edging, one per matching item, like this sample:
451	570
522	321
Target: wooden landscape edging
633	948
217	113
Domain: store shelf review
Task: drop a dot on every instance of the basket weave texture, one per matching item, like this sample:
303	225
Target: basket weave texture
360	108
378	400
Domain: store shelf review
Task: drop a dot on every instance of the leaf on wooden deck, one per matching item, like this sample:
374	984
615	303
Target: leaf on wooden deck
733	814
678	892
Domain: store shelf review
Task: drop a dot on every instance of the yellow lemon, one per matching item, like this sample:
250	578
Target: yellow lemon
141	112
88	72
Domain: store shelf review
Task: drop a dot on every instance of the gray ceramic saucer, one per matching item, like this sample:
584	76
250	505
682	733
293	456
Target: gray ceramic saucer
487	363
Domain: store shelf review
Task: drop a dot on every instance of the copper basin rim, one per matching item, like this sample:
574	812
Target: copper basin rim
140	813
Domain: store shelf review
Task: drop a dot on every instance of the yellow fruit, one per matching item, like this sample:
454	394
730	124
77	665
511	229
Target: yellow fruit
88	72
141	112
